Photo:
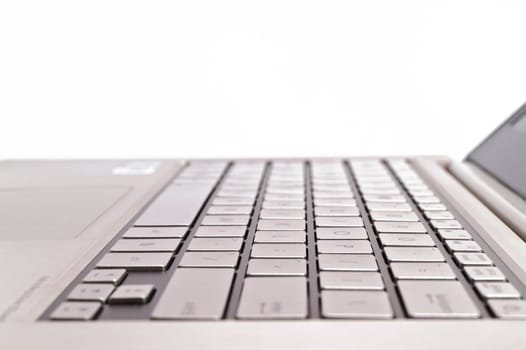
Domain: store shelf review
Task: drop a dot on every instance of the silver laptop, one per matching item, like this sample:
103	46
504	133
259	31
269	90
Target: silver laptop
361	253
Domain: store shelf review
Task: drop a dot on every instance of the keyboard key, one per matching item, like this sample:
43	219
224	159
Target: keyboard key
91	292
113	276
496	290
136	261
439	215
347	262
229	210
336	211
379	198
484	273
380	191
427	200
209	259
393	216
221	231
389	206
344	247
454	234
399	227
283	204
281	224
351	280
284	197
277	267
278	250
438	224
508	309
76	311
462	246
333	195
339	221
355	304
473	259
156	232
406	239
335	203
215	244
341	233
195	294
146	245
437	299
239	201
273	298
410	254
424	271
225	220
237	193
280	237
432	206
282	214
132	294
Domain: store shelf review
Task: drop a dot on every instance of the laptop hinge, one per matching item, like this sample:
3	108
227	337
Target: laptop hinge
508	206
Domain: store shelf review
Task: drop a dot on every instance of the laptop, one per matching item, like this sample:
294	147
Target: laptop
325	253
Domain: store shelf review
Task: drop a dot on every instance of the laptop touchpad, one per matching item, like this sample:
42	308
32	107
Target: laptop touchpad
53	213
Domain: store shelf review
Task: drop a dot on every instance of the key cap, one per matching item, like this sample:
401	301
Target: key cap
437	299
424	271
427	200
344	247
282	214
132	294
438	224
339	221
177	205
280	237
335	203
355	304
453	234
221	231
351	280
484	273
389	206
406	239
278	250
273	189
379	198
229	210
155	232
347	262
225	220
113	276
432	206
273	298
284	197
380	191
439	215
462	246
473	259
76	311
146	245
91	292
393	216
336	211
237	194
508	309
136	261
399	227
341	233
496	290
409	254
281	225
277	267
283	204
215	244
239	201
209	259
195	294
333	195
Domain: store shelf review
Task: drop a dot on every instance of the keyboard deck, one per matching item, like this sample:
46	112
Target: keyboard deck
295	239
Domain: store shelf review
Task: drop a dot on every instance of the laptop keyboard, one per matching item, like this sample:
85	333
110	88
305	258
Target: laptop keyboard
331	239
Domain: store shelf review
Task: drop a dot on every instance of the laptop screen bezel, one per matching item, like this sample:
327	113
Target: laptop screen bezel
503	153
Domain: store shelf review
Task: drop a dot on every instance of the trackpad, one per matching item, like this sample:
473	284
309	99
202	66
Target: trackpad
53	213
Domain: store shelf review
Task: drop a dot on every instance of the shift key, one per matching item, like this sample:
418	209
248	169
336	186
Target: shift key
195	294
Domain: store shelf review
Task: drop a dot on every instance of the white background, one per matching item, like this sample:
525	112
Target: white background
256	78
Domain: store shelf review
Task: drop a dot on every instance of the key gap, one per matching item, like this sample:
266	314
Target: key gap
441	247
383	266
312	256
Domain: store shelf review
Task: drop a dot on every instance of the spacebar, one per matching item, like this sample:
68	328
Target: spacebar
178	205
195	293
